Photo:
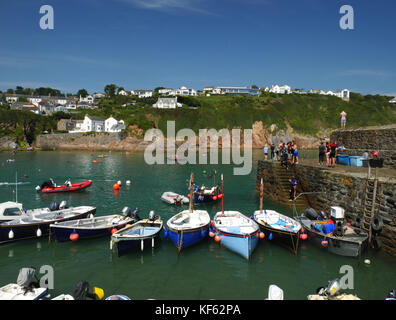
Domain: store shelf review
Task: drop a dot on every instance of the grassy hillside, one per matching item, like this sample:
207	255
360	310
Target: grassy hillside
305	113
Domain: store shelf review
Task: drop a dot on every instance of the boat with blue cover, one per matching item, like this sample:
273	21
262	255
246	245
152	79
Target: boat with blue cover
141	234
188	227
235	231
278	227
93	227
204	194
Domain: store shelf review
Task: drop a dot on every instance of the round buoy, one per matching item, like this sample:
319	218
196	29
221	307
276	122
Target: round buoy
204	172
324	243
262	235
128	182
95	161
188	195
270	236
367	261
220	196
303	236
119	183
214	198
11	234
302	230
211	234
116	186
114	230
217	238
39	233
74	236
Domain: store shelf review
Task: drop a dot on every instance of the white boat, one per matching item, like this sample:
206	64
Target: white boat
24	289
174	198
275	293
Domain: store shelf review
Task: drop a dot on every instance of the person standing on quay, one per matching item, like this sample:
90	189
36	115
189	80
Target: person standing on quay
322	153
293	188
272	151
266	152
343	116
333	151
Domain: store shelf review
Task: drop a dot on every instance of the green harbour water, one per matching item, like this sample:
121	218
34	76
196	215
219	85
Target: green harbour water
205	271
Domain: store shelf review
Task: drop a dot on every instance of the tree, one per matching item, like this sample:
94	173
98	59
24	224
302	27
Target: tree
158	89
110	90
120	89
82	92
19	90
254	87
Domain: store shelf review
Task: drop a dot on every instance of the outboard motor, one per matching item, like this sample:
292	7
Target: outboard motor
47	183
322	215
135	214
152	216
38	188
63	205
25	279
54	206
81	291
332	289
126	212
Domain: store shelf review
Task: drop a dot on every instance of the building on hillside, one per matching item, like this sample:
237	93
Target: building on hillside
393	100
211	90
246	91
142	93
165	91
123	93
68	124
113	125
88	99
280	89
167	103
24	106
184	91
98	95
343	94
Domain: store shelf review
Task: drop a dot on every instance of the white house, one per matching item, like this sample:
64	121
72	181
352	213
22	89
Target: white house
92	123
343	94
99	95
123	93
184	91
280	89
167	103
11	99
142	93
393	100
88	99
165	91
113	125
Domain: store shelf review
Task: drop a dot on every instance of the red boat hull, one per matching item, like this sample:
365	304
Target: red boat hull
63	188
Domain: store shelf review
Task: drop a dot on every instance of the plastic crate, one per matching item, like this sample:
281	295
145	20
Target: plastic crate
356	161
343	159
376	163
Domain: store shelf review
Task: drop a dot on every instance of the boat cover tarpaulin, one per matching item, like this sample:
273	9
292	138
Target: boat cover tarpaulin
25	277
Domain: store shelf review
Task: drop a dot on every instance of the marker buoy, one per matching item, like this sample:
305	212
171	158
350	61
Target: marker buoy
367	261
211	234
114	230
128	182
11	234
119	183
116	187
95	161
303	236
74	236
217	238
39	233
262	235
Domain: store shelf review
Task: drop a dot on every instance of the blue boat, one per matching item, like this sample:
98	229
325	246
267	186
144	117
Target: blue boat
189	226
93	227
235	231
204	194
139	235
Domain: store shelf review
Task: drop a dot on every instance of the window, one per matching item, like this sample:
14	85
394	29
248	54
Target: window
12	212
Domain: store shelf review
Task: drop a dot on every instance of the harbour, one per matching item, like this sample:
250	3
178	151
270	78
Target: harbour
203	271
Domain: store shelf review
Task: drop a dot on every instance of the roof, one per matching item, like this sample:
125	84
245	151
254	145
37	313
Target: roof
95	118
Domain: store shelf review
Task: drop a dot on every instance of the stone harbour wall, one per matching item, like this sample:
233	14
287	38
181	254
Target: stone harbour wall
339	189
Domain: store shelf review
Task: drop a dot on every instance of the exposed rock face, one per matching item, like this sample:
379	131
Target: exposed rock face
8	143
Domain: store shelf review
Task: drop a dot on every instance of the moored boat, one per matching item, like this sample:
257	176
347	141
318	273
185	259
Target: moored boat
205	194
278	227
38	225
235	231
50	187
334	235
25	288
93	227
141	234
189	226
174	198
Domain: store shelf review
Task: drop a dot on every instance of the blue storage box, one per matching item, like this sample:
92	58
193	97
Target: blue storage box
356	161
343	159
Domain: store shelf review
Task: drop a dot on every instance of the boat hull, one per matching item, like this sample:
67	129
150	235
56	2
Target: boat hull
62	188
335	245
200	198
242	245
131	245
288	240
29	231
186	238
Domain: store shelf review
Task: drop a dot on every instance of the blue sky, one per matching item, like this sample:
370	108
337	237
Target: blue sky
141	44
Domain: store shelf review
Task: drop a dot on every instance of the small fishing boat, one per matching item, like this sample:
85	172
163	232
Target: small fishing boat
92	227
205	194
278	227
334	235
189	226
235	231
138	235
37	225
11	210
25	288
174	198
49	186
